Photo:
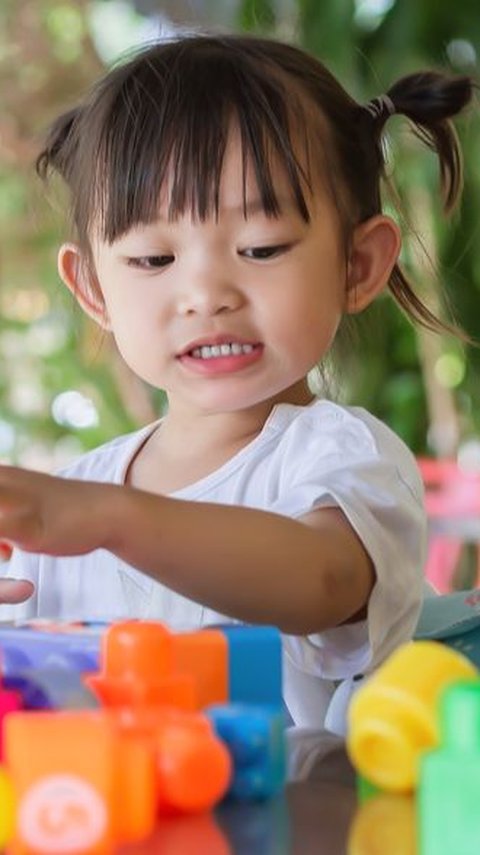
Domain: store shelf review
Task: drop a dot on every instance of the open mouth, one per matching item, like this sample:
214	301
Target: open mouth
214	351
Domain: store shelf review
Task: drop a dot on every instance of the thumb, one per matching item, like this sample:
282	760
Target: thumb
15	590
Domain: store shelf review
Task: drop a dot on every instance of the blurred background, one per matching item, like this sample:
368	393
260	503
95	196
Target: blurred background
63	388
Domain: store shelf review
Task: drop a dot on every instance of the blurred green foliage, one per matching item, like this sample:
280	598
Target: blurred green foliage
50	52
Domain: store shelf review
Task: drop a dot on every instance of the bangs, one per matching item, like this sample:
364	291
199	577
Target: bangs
164	122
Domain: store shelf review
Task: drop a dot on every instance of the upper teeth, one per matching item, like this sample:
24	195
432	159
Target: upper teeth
208	351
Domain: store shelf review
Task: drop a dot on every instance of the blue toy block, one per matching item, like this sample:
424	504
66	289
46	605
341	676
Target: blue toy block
255	664
255	738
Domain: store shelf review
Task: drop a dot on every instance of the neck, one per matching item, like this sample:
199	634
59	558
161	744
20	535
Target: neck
195	434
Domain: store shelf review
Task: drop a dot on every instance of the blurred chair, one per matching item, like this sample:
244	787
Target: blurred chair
452	501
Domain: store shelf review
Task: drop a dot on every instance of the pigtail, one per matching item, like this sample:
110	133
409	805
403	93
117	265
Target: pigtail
56	156
430	99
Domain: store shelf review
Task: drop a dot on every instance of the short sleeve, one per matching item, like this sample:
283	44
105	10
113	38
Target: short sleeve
357	464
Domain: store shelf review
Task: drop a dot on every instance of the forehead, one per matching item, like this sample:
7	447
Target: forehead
240	187
261	137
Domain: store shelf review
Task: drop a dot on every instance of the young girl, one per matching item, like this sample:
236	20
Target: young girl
226	201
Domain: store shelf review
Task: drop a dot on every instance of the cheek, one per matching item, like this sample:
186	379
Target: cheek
130	326
128	308
306	318
312	301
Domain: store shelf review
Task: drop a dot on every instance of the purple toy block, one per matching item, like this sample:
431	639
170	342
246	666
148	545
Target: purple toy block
73	647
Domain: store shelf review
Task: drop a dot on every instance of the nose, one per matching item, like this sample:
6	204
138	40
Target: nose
208	291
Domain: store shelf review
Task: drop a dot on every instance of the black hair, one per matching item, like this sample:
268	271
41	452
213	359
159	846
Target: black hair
169	109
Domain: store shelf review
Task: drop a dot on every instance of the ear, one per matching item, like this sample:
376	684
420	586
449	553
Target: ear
73	271
374	252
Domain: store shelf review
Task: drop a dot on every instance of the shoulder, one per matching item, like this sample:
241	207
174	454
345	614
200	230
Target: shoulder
328	418
352	430
335	437
109	461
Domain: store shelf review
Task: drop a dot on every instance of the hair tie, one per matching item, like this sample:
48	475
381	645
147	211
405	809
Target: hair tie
377	106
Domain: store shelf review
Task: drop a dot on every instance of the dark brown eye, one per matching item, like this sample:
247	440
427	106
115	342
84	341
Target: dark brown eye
263	253
151	262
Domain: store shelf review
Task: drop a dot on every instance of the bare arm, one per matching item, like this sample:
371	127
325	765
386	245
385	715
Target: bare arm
302	576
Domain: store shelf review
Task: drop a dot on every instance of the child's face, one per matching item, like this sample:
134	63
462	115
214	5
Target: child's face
273	288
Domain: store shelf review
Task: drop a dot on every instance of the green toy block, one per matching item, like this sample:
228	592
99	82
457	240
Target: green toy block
449	786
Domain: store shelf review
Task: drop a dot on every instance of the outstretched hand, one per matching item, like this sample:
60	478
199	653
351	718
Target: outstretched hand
55	516
13	591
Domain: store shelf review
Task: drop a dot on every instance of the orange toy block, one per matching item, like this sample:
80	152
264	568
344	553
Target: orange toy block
144	664
205	655
82	785
193	766
138	668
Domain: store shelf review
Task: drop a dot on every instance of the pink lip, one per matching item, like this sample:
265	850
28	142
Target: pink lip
220	364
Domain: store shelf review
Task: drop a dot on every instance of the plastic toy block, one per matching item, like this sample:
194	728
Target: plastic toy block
449	819
255	736
193	766
7	808
81	784
62	646
10	701
138	668
254	664
204	654
240	663
51	688
393	717
145	660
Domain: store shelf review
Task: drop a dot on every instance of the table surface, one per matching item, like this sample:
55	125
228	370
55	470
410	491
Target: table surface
312	817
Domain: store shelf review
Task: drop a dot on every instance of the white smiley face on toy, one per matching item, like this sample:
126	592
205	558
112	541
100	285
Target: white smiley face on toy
61	814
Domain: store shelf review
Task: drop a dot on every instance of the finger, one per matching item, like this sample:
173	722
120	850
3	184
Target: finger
5	551
15	590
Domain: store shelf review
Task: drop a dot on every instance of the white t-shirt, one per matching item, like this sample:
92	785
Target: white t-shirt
304	458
